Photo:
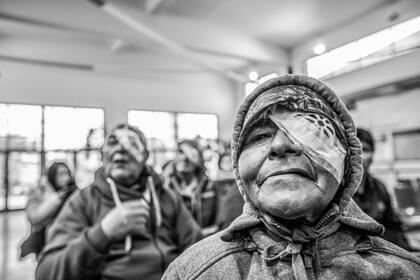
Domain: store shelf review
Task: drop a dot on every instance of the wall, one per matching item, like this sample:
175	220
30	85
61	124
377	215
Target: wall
200	92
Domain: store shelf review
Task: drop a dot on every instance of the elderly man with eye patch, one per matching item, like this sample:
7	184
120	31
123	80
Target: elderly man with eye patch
297	162
125	225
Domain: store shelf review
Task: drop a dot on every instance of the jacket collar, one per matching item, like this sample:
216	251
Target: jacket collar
352	216
125	193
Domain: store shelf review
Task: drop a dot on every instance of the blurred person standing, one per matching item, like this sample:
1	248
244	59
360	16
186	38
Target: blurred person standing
231	201
188	178
373	197
125	225
44	203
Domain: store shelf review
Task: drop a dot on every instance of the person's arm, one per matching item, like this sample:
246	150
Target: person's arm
75	248
42	205
187	230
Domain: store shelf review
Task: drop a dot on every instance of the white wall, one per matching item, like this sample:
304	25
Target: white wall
201	92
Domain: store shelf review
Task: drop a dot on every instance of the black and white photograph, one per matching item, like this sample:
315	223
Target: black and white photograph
209	139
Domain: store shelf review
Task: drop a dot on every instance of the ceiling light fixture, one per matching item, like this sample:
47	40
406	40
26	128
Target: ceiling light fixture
253	76
319	48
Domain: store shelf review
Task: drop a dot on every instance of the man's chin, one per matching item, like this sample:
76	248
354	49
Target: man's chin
122	177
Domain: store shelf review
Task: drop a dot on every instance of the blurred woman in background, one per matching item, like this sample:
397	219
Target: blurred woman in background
187	176
44	203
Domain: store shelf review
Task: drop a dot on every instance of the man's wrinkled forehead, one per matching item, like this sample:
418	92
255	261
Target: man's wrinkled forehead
124	132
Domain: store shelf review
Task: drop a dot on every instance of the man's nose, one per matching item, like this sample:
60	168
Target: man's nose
119	148
182	156
282	146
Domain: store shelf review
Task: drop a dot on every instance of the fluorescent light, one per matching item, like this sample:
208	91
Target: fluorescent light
253	76
319	48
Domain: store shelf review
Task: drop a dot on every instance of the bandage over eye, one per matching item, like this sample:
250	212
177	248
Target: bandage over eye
191	153
130	141
315	135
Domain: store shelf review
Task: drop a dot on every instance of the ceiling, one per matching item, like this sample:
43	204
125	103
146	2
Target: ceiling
284	23
198	35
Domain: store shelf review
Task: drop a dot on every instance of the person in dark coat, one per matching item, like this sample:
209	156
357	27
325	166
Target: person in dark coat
186	175
125	225
374	199
44	203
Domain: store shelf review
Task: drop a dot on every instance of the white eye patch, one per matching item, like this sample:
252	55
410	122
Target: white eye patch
315	135
131	143
191	153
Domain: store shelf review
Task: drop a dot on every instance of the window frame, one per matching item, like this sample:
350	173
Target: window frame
42	151
175	127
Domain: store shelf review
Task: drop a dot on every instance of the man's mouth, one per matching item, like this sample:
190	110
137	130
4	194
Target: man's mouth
120	159
290	171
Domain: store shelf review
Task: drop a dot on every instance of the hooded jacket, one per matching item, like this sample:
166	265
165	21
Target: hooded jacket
344	244
77	247
202	202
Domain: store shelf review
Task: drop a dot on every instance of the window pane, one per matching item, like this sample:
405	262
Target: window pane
407	197
192	126
87	163
407	145
3	126
73	128
2	188
24	173
157	126
20	126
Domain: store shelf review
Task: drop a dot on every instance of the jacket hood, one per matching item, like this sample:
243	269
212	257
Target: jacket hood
354	159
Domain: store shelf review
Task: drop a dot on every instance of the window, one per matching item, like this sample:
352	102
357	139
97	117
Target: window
408	197
157	126
70	128
24	172
407	145
20	127
32	137
164	129
202	126
385	44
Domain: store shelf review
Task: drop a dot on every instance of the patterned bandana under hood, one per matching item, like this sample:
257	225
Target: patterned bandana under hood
301	94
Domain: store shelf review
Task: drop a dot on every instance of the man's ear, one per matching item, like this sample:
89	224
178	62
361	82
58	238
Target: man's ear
146	154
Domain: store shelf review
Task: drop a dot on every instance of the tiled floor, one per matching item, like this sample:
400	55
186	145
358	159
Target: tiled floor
13	229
